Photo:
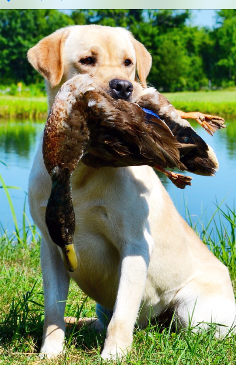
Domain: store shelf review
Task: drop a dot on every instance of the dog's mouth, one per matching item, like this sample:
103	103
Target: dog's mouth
118	97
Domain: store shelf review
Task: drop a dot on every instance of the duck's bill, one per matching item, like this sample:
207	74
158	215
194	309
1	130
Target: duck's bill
70	258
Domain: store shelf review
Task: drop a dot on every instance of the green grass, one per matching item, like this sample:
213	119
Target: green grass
222	103
22	311
23	107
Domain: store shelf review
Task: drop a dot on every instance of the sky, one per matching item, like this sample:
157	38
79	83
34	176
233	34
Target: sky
203	18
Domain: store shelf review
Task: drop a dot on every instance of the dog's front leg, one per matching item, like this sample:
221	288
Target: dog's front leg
133	272
56	285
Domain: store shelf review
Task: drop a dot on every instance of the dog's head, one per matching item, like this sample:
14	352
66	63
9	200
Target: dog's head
112	55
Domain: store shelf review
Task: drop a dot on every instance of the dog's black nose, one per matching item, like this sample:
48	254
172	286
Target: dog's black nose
121	89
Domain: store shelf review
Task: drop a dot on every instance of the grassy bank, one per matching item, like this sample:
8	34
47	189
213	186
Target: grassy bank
23	107
22	312
221	103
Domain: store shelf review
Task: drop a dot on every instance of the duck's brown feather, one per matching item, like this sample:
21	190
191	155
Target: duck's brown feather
120	131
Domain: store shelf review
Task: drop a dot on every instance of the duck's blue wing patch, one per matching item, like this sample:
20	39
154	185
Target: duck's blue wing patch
150	112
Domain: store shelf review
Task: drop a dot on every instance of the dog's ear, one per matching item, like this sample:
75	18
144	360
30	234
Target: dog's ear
47	56
144	61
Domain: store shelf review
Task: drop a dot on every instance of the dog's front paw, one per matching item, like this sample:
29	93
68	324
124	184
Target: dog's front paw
51	350
116	347
53	340
114	353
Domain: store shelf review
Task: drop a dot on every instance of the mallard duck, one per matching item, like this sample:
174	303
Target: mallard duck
87	124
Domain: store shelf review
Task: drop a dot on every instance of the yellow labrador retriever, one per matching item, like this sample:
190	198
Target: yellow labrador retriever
134	250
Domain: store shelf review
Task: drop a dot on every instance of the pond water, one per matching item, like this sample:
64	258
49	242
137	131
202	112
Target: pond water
18	145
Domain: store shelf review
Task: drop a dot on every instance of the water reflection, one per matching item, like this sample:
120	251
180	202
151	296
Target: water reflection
229	138
18	144
18	137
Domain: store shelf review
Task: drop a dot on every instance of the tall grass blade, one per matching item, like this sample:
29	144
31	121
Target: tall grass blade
24	225
3	163
11	205
32	229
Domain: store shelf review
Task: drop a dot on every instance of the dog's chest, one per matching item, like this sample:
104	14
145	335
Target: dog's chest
109	210
98	258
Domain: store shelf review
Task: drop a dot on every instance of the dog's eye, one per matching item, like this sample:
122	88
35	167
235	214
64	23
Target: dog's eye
128	62
88	61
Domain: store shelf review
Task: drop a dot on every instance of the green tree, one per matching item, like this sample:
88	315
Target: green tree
20	30
225	47
169	63
168	19
108	17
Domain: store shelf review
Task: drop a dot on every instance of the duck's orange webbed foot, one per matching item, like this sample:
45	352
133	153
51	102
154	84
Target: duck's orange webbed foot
211	123
179	180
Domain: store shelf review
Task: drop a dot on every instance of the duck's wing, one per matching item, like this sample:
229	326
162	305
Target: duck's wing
201	159
125	131
127	135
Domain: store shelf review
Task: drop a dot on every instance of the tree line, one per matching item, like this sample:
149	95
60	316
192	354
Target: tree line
185	57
